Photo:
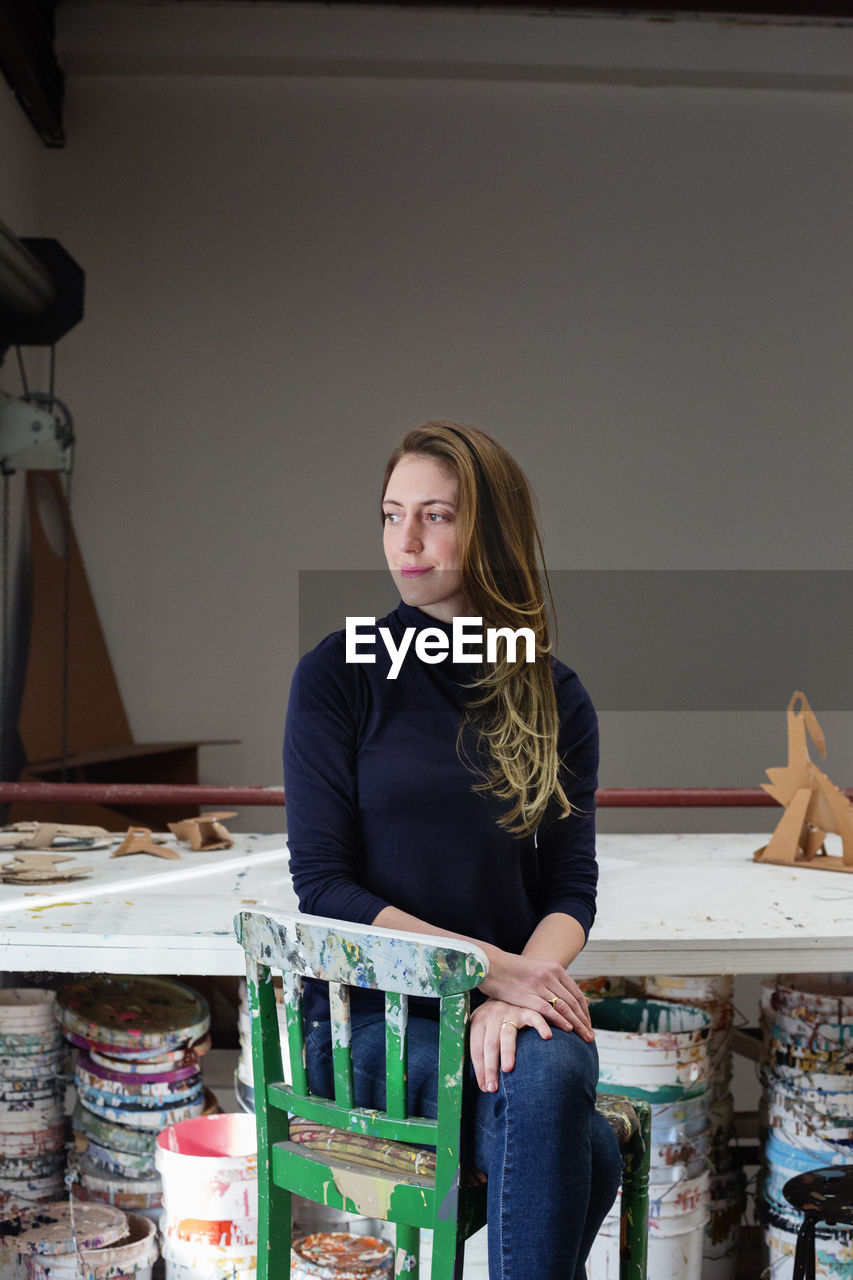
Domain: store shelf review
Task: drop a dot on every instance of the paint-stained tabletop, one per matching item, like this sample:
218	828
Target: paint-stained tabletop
667	904
142	914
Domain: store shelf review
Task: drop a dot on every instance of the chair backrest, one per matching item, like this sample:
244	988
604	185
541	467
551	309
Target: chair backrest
348	955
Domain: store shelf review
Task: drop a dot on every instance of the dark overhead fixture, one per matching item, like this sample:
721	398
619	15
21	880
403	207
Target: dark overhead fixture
29	64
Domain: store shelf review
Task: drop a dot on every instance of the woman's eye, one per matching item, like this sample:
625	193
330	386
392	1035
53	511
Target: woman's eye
435	516
390	517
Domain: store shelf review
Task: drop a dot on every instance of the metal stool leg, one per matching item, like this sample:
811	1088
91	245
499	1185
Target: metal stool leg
804	1256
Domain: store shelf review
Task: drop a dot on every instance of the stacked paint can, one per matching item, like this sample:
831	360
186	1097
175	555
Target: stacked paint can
715	996
807	1106
32	1100
59	1241
658	1052
138	1070
341	1255
209	1171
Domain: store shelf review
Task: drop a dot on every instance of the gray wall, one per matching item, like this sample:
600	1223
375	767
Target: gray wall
638	279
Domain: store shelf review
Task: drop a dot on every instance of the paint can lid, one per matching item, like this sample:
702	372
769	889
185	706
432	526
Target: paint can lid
133	1012
342	1255
49	1228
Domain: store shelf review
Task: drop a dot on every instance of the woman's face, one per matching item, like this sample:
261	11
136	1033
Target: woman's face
420	537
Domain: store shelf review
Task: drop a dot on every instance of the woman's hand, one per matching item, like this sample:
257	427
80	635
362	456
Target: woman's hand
494	1027
539	986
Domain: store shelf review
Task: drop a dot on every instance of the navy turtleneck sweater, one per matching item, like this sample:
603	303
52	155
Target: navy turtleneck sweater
380	806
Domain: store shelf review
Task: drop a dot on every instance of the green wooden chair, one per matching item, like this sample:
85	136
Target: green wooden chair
373	1163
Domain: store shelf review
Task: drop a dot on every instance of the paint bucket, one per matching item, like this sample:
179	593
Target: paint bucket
191	1260
650	1049
675	1121
23	1143
132	1258
48	1230
16	1198
690	990
209	1170
676	1239
599	987
682	1197
140	1014
787	1114
341	1255
141	1117
667	1155
807	1104
715	996
27	1007
722	1233
813	996
26	1044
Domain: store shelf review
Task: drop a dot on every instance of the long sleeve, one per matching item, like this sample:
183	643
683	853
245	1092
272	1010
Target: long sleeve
566	846
321	788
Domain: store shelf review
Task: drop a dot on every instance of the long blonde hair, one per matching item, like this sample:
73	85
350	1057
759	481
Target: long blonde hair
514	708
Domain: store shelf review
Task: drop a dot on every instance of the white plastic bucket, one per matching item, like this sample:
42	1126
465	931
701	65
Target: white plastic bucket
650	1049
133	1257
814	996
634	1071
675	1199
669	1154
209	1168
675	1248
722	1233
690	990
28	1007
190	1260
831	1093
673	1121
657	1024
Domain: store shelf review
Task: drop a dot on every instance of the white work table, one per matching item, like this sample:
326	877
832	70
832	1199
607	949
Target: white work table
691	904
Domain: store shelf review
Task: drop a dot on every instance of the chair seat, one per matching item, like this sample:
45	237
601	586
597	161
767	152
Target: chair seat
825	1193
620	1115
405	1157
339	1145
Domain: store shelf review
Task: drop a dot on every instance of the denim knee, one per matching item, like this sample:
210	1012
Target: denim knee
562	1067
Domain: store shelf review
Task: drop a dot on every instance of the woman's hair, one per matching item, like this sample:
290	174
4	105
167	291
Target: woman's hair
514	707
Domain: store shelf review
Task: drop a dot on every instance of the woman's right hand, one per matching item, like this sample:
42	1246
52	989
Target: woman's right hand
533	983
494	1027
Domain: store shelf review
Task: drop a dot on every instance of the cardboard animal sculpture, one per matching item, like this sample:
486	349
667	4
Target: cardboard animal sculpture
204	833
42	835
40	868
140	840
814	806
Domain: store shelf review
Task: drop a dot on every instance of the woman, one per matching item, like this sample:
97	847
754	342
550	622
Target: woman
432	794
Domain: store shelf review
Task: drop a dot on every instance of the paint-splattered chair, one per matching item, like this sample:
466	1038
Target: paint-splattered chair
372	1163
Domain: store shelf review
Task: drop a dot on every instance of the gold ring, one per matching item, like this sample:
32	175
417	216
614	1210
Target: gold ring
553	1002
508	1022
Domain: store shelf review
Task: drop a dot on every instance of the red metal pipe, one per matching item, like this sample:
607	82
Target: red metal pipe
121	793
248	797
683	798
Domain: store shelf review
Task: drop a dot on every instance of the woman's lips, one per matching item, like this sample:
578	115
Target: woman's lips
412	571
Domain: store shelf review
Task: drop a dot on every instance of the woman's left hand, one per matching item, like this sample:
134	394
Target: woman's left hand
494	1027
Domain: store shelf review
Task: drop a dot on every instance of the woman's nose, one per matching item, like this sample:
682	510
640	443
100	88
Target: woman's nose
411	536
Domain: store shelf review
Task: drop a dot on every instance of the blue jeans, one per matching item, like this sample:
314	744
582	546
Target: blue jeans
553	1163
